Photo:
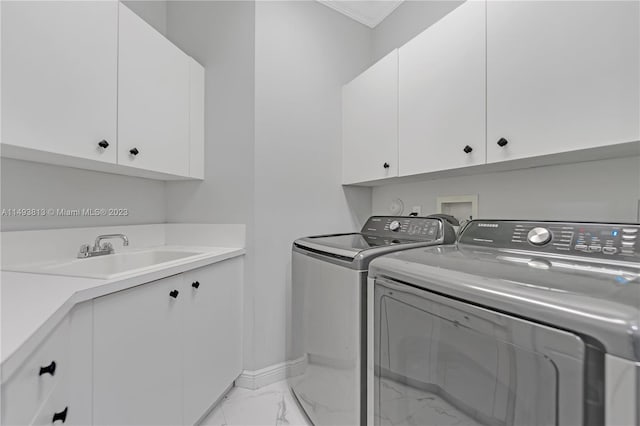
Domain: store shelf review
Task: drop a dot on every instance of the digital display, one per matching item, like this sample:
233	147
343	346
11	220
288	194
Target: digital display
414	228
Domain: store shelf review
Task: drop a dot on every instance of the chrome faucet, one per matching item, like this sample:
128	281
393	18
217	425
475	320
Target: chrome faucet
99	248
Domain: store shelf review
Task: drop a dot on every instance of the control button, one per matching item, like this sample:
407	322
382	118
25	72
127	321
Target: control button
628	237
581	247
630	230
595	249
609	250
394	226
626	251
539	236
628	243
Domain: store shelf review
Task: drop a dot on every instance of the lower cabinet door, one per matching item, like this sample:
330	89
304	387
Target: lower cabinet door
212	333
138	355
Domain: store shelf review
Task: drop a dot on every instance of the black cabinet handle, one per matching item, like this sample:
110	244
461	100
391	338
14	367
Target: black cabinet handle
385	165
195	284
103	144
49	369
62	415
467	149
174	293
502	142
134	151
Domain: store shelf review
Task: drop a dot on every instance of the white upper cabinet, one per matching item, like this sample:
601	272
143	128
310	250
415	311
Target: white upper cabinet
370	123
153	99
561	76
59	77
196	119
442	94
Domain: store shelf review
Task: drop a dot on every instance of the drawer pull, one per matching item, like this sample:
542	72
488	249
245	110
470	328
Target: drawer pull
62	415
49	369
195	284
173	293
467	149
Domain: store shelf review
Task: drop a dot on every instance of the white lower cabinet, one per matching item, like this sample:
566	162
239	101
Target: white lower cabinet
164	352
212	335
161	353
137	377
55	381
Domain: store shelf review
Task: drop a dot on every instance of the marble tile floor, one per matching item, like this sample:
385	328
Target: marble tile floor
270	405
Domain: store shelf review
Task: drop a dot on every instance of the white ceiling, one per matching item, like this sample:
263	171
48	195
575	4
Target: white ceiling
367	12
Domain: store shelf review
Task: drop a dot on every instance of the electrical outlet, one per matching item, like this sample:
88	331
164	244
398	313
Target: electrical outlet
417	210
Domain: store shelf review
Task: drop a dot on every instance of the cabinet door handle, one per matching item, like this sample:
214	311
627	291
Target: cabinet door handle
103	144
502	142
467	149
49	369
195	284
385	165
134	151
62	415
174	293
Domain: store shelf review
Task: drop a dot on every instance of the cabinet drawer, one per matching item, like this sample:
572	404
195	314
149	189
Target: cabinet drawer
34	381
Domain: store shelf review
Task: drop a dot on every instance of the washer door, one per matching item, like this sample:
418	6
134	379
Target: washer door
443	362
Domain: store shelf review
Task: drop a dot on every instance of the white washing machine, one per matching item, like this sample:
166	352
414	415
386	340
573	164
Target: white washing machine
519	323
329	290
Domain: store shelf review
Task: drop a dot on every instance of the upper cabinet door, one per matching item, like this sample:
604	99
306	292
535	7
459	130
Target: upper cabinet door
561	76
59	77
153	99
442	94
370	123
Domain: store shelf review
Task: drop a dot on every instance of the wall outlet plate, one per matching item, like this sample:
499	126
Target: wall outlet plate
462	207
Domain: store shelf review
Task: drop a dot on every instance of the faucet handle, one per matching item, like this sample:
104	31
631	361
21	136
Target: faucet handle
84	250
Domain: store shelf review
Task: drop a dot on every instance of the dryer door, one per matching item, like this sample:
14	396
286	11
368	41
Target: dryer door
439	361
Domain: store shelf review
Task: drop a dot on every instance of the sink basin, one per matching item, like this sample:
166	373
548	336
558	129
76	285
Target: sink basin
111	265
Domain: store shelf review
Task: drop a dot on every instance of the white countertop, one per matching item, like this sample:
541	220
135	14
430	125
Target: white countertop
32	305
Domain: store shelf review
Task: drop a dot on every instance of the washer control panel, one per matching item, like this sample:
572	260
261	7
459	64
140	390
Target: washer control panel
602	240
403	227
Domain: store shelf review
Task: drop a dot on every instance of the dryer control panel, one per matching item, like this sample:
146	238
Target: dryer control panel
403	227
602	240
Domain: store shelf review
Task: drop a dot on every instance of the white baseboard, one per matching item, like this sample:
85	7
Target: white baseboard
274	373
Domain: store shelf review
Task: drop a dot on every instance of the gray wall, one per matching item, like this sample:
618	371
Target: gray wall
25	184
305	52
152	11
220	35
407	21
606	190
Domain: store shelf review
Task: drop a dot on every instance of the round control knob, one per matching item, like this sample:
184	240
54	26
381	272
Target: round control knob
539	236
395	226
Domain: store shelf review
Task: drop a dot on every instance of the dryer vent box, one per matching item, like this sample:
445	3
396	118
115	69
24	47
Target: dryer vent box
462	207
